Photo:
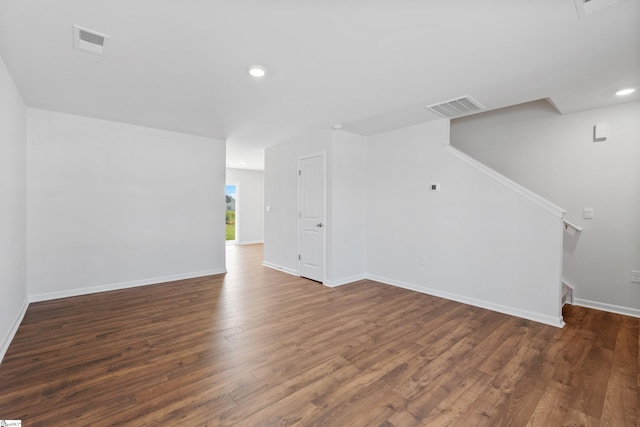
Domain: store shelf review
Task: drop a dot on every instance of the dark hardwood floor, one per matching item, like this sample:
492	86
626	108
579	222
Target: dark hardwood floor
257	347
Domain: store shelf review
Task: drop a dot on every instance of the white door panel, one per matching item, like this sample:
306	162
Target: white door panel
311	249
311	202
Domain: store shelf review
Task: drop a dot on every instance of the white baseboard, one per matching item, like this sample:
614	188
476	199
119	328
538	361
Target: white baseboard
345	281
525	314
280	268
122	285
628	311
572	291
250	242
6	341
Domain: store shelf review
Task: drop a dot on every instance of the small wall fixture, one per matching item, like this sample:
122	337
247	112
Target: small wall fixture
600	132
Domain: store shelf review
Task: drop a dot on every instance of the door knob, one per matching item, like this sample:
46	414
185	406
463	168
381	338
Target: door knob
319	224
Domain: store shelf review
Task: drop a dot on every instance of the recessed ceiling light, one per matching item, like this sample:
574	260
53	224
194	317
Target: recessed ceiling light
256	71
624	92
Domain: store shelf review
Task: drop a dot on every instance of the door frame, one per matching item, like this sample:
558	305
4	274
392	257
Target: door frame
322	154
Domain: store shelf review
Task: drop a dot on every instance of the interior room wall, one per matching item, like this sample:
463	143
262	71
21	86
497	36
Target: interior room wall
111	205
281	197
347	224
249	206
345	157
556	156
475	241
13	285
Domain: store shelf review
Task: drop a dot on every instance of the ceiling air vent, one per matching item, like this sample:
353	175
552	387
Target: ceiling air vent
88	40
456	107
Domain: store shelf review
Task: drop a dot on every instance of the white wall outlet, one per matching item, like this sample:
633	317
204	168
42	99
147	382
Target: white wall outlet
422	260
435	186
587	213
635	276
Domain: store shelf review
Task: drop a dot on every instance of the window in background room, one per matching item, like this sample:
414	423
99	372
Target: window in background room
230	216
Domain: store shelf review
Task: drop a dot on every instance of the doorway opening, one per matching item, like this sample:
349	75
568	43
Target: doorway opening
230	214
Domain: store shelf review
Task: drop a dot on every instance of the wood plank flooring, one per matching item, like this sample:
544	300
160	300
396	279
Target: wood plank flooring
257	347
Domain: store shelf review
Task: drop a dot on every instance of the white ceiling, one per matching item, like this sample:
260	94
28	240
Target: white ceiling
371	65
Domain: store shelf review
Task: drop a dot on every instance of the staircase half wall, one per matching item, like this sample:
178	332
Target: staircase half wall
479	238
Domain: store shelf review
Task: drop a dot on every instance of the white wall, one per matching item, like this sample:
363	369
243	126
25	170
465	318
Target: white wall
280	194
249	204
345	156
555	156
482	243
111	205
13	287
347	222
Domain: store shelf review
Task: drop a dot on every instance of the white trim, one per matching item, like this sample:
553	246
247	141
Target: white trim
250	242
280	268
512	185
525	314
612	308
572	291
6	342
122	285
345	281
568	223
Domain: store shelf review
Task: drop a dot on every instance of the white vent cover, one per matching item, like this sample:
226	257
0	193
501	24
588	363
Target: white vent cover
89	40
587	7
456	107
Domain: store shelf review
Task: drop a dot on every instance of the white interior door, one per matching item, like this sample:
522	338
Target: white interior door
311	215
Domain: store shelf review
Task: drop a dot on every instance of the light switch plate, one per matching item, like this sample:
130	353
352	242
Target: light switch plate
587	213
